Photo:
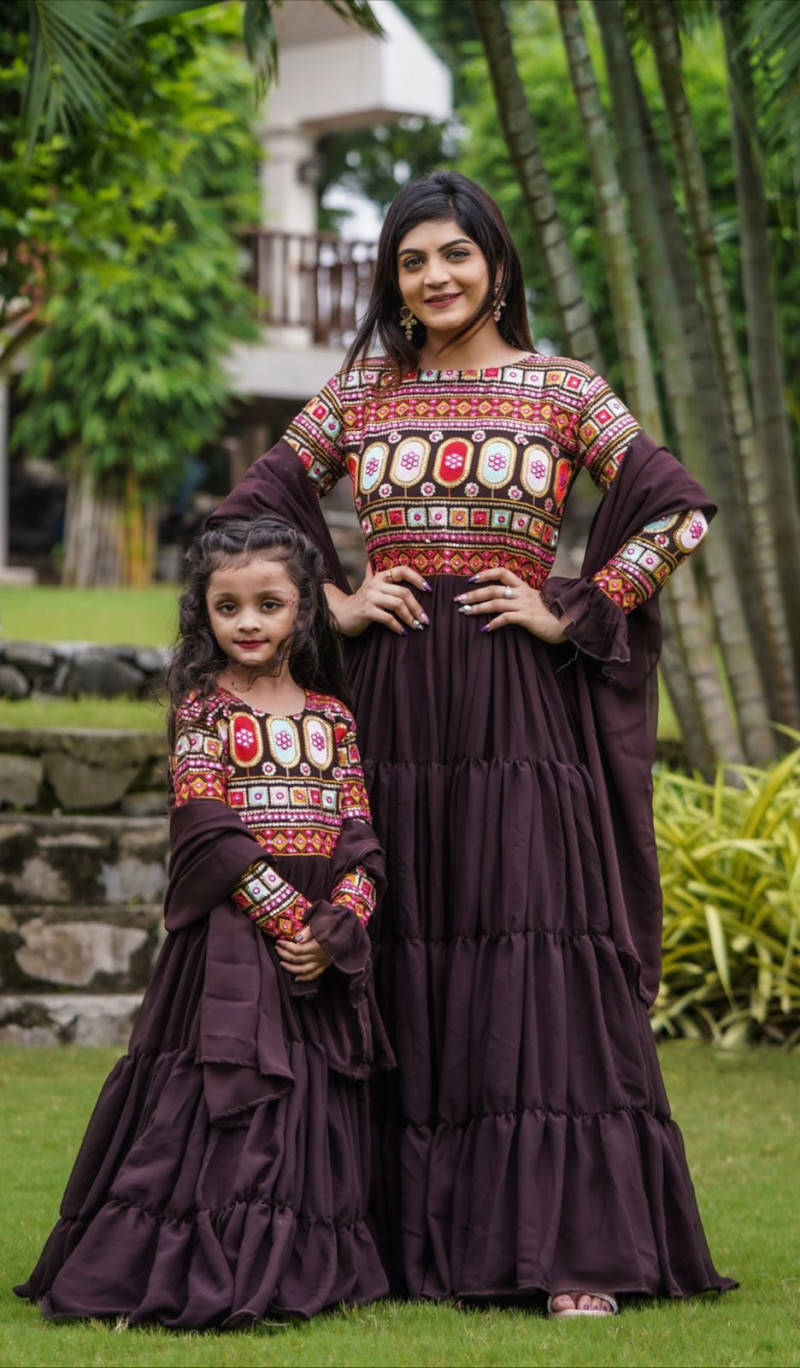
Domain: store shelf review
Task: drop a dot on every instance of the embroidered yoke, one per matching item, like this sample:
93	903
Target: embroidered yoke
452	475
294	781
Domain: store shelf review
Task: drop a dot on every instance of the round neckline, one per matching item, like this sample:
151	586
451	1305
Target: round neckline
262	712
472	371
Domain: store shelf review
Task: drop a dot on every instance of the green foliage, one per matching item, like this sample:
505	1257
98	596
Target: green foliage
730	871
125	240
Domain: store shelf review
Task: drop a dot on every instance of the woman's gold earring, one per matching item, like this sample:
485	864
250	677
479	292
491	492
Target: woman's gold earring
407	322
497	311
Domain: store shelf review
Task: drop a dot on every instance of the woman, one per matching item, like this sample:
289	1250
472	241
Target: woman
507	719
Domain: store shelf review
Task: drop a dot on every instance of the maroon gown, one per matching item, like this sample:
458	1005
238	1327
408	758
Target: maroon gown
524	1144
224	1173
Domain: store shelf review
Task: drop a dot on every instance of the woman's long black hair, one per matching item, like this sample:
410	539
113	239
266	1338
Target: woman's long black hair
315	655
440	196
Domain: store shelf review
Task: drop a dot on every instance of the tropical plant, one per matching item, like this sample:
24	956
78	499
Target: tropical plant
144	294
519	131
73	45
730	872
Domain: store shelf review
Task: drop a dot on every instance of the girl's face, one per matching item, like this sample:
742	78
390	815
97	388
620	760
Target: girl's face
252	608
443	276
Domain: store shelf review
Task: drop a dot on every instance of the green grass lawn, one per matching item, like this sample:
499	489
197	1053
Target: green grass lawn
738	1114
110	617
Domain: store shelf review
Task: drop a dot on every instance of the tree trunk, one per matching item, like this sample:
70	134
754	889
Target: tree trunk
523	147
659	18
763	336
107	541
696	410
629	325
92	532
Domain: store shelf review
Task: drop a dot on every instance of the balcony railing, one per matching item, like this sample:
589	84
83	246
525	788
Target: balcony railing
316	281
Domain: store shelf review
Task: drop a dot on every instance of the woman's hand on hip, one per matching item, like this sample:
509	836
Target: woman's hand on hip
383	597
513	603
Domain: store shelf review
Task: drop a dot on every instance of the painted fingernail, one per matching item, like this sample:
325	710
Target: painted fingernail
427	586
473	579
459	597
425	619
465	608
487	628
418	627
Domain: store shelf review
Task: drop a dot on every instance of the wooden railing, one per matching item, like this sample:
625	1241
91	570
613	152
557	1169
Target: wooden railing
316	281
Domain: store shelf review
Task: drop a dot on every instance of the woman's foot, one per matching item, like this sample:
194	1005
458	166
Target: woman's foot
565	1305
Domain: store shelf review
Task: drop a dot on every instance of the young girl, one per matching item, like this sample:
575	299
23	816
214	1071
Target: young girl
223	1175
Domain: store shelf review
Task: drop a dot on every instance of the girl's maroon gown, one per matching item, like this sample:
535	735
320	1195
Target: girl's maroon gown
524	1143
223	1177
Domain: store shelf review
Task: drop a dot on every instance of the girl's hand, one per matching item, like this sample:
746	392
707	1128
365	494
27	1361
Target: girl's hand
515	604
303	957
381	597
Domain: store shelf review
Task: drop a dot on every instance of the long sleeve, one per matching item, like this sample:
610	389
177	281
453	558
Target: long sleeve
641	565
656	521
317	436
199	771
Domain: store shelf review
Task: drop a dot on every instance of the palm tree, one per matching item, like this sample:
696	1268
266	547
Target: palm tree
697	414
526	157
75	46
764	348
769	621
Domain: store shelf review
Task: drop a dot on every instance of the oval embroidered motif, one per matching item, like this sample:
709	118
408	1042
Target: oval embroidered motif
318	742
410	461
373	464
691	531
246	745
537	465
562	481
284	742
496	464
452	461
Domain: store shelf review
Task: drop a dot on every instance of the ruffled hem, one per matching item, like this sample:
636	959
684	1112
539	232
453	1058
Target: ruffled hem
534	1201
168	1218
248	1264
598	626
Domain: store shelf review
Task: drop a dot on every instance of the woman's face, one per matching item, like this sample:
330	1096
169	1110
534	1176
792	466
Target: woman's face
443	276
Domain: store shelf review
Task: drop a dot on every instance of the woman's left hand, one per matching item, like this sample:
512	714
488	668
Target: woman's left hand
304	957
513	603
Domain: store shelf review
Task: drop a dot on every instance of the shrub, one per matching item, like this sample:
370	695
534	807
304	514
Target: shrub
730	871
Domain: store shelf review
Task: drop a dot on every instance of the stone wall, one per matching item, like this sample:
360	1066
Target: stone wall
68	669
72	769
80	924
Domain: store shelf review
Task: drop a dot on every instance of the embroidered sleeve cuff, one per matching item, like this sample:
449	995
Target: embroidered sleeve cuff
271	903
597	626
356	891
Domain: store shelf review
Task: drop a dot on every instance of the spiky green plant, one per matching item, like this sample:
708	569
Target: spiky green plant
730	870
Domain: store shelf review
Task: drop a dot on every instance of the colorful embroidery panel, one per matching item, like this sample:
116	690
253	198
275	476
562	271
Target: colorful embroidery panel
292	780
451	475
198	758
642	564
356	891
270	902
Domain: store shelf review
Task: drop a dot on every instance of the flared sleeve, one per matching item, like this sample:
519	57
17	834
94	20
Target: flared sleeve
597	604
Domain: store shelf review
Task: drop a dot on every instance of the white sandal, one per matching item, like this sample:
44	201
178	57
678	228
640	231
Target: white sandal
572	1312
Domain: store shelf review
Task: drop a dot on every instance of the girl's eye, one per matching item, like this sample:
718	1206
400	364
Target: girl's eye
269	605
226	609
458	254
411	263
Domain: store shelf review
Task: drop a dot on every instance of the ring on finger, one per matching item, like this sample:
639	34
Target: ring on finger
508	592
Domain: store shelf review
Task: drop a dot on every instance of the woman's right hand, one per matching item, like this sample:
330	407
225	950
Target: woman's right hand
382	597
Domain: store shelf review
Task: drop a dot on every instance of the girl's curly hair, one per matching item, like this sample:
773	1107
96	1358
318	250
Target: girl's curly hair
315	655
